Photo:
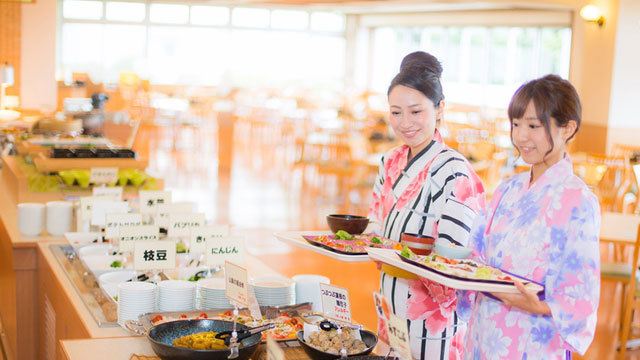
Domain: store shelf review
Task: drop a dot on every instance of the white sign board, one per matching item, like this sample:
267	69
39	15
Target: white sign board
164	210
200	235
101	208
154	255
103	175
180	224
129	235
335	303
399	337
113	223
230	248
112	192
236	283
149	200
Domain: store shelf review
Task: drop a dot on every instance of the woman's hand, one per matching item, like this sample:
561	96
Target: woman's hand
525	300
378	264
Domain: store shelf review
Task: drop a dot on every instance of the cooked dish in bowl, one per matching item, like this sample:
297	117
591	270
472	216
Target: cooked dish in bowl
331	342
201	341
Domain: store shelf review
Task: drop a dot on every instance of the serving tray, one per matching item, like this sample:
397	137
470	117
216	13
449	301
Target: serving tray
296	238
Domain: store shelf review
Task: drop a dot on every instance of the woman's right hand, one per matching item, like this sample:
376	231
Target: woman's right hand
378	264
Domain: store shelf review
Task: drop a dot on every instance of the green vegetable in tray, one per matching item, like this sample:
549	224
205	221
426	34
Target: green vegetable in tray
376	240
181	248
116	264
343	235
406	252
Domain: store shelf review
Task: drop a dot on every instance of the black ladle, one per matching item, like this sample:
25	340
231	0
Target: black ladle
243	334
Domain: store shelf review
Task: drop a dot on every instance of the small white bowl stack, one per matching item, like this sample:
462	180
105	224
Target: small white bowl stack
135	298
212	294
273	290
176	295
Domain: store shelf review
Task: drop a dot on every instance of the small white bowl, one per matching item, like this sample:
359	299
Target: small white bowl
451	250
95	249
100	264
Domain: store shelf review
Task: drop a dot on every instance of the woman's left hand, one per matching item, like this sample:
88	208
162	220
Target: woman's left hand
525	300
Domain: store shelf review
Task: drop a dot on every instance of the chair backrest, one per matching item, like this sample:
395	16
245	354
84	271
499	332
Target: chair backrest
634	265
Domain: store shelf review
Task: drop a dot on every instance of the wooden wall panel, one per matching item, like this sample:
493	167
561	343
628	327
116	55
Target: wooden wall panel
10	16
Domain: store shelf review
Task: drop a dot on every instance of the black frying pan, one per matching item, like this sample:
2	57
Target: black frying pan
162	335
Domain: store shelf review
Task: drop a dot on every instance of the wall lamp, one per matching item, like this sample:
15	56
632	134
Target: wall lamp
591	13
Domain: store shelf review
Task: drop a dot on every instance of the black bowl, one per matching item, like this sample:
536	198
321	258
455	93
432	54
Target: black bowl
161	337
353	224
370	340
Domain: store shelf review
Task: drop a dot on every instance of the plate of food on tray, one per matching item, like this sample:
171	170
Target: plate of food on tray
344	243
463	269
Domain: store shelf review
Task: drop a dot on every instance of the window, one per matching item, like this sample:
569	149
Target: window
169	13
328	21
250	17
289	19
482	65
82	9
209	15
126	11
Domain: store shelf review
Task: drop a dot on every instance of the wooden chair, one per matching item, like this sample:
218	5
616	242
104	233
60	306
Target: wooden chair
631	298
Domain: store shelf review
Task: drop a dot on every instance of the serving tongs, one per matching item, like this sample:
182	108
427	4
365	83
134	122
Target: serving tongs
243	334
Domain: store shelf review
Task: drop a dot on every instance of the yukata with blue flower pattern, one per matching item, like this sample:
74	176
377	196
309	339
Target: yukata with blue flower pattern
548	233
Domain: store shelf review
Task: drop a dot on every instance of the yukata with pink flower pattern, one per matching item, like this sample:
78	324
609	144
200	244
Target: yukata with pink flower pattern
436	193
548	233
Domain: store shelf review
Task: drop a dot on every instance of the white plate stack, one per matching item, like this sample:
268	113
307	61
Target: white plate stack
273	290
176	295
135	298
212	294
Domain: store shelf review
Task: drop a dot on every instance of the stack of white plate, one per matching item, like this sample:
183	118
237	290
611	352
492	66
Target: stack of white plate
176	295
135	298
273	290
109	281
212	294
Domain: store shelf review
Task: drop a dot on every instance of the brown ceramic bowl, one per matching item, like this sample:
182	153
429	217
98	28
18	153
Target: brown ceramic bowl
419	244
353	224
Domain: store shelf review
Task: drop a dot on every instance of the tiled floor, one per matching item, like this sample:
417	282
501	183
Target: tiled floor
261	194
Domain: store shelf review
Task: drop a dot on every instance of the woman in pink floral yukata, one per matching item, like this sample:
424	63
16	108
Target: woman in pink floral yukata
426	188
542	225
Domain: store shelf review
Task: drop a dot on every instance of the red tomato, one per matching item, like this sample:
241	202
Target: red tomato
203	315
157	318
183	316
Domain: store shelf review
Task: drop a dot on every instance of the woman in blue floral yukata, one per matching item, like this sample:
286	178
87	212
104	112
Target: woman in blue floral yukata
542	225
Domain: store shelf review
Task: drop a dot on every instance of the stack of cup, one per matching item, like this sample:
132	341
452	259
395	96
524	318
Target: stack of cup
135	298
30	219
59	214
308	289
176	295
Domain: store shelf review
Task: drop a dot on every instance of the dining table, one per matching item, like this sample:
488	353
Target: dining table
618	228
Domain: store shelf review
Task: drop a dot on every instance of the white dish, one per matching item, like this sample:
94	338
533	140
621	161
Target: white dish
79	239
95	249
391	257
100	264
295	238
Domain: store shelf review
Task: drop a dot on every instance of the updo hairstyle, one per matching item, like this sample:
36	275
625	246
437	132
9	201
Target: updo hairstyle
420	71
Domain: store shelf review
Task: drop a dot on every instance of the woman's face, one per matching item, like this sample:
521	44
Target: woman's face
413	117
530	137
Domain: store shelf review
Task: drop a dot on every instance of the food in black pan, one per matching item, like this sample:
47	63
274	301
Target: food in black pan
202	341
331	342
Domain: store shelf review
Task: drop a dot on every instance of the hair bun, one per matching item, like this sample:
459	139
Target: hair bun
421	61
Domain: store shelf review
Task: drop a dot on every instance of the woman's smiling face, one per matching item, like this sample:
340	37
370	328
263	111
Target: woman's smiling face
413	117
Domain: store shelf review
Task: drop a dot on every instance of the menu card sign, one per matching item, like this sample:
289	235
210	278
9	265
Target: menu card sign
113	223
102	207
86	205
399	337
274	351
237	284
129	235
199	237
112	192
154	255
149	200
335	303
181	224
230	248
164	210
103	175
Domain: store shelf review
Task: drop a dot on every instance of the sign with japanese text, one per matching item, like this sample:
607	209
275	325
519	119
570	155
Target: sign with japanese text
399	337
86	205
149	200
161	217
154	255
180	224
129	235
229	248
274	351
200	235
103	175
335	303
112	192
101	208
113	222
237	284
